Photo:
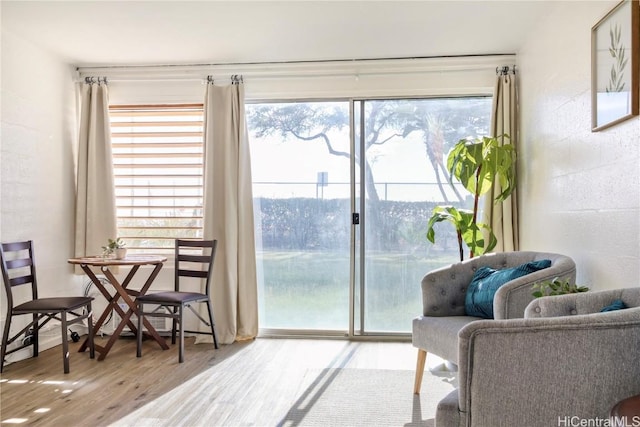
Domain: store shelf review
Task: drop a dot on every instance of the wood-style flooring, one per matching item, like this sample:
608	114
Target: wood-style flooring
99	393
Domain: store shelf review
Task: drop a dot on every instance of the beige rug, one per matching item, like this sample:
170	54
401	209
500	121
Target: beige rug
345	397
367	397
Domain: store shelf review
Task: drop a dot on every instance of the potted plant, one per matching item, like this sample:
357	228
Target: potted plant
556	287
478	165
115	247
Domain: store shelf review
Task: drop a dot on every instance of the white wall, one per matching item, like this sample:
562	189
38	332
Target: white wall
579	190
37	168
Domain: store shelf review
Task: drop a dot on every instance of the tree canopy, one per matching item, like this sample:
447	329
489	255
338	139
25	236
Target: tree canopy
438	122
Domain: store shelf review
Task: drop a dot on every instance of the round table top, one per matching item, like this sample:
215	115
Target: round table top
128	260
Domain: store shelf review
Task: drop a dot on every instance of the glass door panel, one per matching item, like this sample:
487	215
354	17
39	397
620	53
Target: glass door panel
300	154
404	175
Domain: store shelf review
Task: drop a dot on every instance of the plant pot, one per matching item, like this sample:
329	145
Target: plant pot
121	253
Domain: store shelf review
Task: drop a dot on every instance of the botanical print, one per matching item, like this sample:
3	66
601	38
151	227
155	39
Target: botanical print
617	51
613	76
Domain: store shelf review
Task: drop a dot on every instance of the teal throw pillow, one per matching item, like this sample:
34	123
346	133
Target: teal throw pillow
616	305
486	282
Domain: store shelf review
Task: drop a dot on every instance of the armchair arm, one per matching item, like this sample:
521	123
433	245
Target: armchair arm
534	372
513	297
580	303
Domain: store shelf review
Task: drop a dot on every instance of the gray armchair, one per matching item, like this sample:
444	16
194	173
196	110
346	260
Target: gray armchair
564	362
443	300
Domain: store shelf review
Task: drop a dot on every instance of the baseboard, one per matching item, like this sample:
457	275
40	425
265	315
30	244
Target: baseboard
45	343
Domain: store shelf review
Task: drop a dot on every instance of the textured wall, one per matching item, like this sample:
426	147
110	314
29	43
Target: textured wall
579	190
37	178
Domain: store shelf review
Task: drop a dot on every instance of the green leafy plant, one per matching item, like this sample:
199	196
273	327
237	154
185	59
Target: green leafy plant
112	245
478	165
556	286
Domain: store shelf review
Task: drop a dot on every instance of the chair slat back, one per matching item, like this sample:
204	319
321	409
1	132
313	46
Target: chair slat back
18	267
194	258
194	264
193	273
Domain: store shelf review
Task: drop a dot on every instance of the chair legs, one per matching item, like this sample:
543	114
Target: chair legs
213	330
422	357
64	327
181	325
180	316
65	342
5	338
35	335
139	332
174	325
177	327
92	346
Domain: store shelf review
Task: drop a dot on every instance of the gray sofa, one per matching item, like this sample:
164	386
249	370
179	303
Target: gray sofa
443	300
563	363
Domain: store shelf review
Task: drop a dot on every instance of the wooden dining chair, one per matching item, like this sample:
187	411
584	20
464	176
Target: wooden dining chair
18	268
171	304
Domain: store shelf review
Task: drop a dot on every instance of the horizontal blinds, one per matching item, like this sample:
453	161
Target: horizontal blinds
157	158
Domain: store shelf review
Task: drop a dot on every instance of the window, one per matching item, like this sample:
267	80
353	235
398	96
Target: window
158	168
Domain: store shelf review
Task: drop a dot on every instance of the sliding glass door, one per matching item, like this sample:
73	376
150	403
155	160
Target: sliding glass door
402	176
342	194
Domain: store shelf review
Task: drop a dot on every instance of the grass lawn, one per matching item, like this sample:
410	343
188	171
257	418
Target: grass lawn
310	290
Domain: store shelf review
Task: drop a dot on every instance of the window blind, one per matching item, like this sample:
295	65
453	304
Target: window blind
158	171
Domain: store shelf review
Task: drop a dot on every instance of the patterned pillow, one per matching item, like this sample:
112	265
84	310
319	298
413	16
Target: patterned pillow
486	282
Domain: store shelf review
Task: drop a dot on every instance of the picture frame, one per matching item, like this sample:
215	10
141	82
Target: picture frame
615	65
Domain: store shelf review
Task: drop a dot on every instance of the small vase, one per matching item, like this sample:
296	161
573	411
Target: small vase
121	253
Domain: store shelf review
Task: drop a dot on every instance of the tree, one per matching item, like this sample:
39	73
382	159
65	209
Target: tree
318	121
438	122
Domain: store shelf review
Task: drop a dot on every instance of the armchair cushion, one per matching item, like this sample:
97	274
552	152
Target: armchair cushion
440	333
486	282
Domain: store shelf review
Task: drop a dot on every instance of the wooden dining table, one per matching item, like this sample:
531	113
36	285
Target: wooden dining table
122	292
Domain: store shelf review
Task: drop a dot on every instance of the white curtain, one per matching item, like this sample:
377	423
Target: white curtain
228	213
95	195
503	217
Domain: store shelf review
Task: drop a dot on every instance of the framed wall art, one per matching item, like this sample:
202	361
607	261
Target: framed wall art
615	65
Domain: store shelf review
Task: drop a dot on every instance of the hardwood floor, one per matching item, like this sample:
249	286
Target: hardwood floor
123	389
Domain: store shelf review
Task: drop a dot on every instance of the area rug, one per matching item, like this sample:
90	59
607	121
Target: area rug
368	397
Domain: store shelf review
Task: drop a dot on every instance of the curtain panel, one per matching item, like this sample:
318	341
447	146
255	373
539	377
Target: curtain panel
503	217
228	213
95	194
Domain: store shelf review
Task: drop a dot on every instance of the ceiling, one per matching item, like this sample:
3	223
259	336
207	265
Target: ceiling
93	33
